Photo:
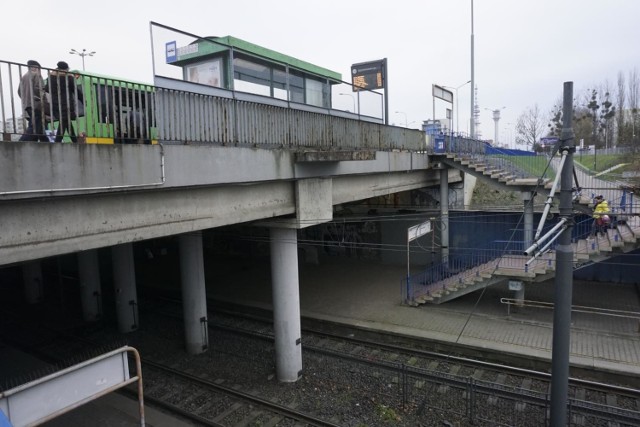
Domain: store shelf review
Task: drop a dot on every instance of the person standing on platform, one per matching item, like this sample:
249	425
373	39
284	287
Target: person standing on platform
32	94
62	87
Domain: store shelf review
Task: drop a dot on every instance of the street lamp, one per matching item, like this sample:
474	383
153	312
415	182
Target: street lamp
496	119
405	118
81	54
510	140
472	123
353	98
457	116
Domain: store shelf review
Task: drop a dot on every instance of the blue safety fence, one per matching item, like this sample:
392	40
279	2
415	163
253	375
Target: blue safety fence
468	264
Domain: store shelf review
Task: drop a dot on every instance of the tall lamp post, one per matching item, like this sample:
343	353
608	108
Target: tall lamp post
496	119
353	98
82	54
472	120
406	124
457	115
510	141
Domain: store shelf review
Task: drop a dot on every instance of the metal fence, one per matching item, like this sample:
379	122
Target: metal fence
227	118
462	399
119	111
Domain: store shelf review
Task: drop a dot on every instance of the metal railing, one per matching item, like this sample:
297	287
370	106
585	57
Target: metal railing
520	164
72	387
501	256
440	395
118	111
190	117
634	315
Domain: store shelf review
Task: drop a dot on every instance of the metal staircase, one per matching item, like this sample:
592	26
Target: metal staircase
455	278
622	238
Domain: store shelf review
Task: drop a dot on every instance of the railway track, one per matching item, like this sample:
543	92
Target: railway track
349	379
214	403
422	381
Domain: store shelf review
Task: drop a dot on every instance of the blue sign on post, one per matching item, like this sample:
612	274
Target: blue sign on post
439	144
548	141
171	52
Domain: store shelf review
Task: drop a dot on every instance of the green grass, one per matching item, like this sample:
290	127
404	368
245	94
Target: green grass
533	165
601	162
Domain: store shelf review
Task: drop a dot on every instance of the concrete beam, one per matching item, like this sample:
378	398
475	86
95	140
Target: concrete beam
44	227
63	198
33	170
335	156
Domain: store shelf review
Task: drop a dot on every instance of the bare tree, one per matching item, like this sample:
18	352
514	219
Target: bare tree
607	114
582	117
530	126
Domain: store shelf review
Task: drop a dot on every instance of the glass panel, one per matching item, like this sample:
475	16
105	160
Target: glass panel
315	94
279	83
296	87
206	73
249	71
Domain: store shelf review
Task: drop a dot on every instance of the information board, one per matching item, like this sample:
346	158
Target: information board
368	75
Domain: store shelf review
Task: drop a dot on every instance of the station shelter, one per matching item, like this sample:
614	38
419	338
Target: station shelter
234	64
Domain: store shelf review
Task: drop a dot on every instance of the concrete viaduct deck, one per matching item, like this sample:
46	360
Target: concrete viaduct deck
63	198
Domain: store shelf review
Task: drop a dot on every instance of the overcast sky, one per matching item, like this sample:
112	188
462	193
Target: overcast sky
524	50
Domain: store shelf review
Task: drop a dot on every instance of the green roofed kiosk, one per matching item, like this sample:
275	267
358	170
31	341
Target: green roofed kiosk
234	64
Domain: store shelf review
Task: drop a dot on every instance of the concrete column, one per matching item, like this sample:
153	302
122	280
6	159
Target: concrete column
286	304
90	289
124	282
469	186
194	296
33	286
527	236
519	295
444	213
517	286
527	198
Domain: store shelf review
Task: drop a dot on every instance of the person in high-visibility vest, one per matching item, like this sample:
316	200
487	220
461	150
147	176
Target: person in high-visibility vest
600	215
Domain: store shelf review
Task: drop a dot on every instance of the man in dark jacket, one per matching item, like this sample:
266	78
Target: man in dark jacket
64	92
31	93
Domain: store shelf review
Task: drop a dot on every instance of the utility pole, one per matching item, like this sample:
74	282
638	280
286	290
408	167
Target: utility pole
472	128
564	272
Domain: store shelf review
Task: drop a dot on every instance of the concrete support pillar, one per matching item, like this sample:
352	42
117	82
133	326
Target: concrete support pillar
33	286
90	289
444	213
519	295
517	286
124	282
194	296
469	186
286	304
527	198
527	236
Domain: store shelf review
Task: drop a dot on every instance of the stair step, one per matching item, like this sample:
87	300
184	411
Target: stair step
615	240
515	272
626	233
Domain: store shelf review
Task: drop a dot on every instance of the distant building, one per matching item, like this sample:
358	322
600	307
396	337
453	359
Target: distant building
435	127
9	127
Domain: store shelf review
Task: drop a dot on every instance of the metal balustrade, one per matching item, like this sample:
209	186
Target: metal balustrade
119	111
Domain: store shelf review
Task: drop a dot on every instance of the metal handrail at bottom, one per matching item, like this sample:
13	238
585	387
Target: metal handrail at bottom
574	308
70	388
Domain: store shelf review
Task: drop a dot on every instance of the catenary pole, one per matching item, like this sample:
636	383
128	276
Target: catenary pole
472	124
564	273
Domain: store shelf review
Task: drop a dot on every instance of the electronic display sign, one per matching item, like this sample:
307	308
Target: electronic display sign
368	75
